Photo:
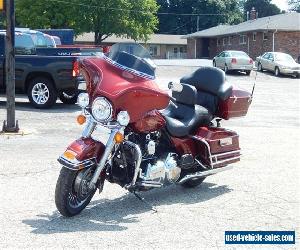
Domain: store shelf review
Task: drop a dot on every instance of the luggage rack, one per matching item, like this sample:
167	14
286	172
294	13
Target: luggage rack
221	158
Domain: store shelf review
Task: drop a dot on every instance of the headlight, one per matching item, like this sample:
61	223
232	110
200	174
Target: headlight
123	118
83	100
101	109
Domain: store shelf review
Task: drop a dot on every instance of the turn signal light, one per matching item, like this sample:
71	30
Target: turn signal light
119	137
69	155
81	119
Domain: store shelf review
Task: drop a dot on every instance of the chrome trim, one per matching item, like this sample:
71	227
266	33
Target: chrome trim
207	145
110	109
76	165
203	174
213	158
227	160
89	127
227	153
235	99
137	164
100	166
154	185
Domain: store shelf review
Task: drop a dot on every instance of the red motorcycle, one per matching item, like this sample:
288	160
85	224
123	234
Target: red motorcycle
156	139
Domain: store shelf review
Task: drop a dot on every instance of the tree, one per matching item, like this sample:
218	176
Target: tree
263	7
176	18
43	14
294	5
133	19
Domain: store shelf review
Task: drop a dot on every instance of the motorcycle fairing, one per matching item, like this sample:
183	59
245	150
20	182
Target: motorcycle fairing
82	153
126	91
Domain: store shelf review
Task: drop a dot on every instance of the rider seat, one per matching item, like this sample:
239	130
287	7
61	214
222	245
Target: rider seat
182	116
210	80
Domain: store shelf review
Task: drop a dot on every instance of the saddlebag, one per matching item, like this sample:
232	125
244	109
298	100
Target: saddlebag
217	147
236	105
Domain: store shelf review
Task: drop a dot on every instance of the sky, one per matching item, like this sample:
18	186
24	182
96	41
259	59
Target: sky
282	4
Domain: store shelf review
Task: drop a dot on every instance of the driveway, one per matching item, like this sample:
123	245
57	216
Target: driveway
260	193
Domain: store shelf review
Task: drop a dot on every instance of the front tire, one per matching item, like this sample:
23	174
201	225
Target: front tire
72	194
41	92
226	70
214	64
260	68
192	183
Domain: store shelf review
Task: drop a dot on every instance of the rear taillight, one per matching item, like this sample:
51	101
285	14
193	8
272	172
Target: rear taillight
75	71
233	60
251	61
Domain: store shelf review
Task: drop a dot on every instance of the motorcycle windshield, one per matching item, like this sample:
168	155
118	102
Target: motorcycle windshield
132	57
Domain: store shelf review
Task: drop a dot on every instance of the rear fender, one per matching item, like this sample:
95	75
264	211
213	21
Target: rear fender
82	153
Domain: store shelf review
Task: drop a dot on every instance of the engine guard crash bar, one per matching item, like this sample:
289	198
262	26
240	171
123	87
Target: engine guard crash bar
213	158
201	174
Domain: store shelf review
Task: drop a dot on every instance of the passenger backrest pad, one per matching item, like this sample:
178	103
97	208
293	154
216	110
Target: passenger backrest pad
211	80
188	95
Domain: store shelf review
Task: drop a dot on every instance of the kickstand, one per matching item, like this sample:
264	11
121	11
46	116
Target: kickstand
143	200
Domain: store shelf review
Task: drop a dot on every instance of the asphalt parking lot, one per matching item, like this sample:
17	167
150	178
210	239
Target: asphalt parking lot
260	193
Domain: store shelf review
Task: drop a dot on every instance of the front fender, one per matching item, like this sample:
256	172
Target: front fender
82	153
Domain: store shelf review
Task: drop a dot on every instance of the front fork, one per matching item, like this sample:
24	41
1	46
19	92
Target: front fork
86	133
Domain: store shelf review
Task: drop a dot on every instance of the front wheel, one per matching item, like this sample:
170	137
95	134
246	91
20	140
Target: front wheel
226	70
72	193
193	183
277	72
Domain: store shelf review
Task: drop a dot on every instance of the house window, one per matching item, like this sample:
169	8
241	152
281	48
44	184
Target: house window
254	36
218	42
243	39
154	50
182	50
224	41
175	50
265	36
229	40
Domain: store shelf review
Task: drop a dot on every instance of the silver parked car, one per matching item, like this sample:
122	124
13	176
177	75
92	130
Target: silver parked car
279	63
230	60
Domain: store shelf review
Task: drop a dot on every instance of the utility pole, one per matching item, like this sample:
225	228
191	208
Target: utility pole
198	22
10	125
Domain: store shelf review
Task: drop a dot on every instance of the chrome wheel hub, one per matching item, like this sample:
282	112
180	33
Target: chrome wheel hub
81	190
40	93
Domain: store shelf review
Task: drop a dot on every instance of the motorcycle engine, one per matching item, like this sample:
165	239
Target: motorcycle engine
158	164
163	171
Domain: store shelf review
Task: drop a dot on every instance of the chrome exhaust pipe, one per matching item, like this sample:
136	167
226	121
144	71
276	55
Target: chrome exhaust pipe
203	174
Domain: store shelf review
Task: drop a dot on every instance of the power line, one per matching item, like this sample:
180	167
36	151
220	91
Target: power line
177	28
138	11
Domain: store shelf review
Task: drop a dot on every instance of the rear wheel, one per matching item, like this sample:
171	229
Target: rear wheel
41	92
260	68
277	71
72	193
193	183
